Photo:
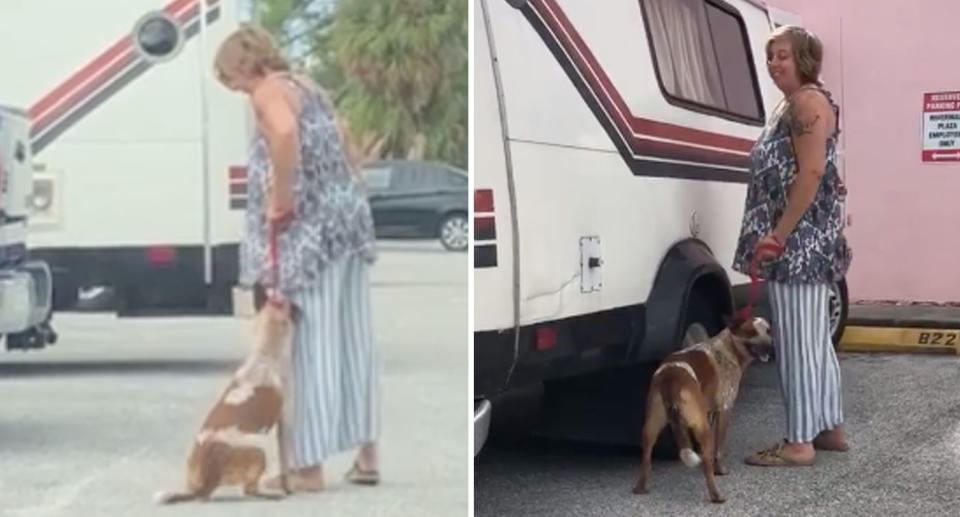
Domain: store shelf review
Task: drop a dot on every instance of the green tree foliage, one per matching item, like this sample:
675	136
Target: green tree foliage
397	69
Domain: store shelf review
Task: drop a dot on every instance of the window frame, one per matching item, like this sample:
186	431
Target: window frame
178	28
391	177
700	107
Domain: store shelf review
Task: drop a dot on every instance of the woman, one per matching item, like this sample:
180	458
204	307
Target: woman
302	182
793	227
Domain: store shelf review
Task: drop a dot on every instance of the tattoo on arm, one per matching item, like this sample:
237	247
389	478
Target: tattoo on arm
801	123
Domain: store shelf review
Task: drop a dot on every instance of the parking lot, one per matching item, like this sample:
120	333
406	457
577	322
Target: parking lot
94	425
902	416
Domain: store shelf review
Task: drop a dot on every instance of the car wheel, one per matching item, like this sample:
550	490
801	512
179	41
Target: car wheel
838	304
454	232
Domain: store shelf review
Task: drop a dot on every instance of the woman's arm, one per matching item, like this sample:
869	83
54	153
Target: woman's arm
278	121
809	121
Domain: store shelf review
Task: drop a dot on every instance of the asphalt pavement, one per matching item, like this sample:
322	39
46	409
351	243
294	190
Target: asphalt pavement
902	416
94	425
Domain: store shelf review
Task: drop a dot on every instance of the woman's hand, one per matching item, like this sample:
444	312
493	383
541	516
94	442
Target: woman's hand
768	248
280	210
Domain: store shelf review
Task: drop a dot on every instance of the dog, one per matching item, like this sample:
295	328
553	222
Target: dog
229	448
694	390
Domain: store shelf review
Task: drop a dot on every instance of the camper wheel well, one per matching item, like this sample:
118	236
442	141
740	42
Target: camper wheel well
689	280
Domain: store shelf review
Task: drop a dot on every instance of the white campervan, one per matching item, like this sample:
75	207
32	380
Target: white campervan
137	150
610	165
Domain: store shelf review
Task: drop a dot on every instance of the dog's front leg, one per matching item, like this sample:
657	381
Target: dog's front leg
720	437
284	460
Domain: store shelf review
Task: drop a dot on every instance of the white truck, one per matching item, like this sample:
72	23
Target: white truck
138	153
25	283
610	166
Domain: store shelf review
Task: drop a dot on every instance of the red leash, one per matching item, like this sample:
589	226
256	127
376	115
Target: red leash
747	310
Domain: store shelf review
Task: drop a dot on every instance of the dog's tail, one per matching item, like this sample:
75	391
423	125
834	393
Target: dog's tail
173	497
673	396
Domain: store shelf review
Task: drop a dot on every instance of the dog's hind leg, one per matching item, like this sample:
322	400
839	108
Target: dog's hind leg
255	464
656	420
720	434
704	434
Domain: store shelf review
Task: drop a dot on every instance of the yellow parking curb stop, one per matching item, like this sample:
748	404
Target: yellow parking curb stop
900	339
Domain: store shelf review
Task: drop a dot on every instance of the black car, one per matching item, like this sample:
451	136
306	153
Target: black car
412	198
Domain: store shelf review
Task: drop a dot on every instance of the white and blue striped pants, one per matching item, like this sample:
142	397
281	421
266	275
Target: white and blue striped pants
336	374
808	366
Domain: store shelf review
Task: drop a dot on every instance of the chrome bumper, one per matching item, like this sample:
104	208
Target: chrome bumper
25	296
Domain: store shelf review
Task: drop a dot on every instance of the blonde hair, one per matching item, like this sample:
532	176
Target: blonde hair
807	51
249	51
252	51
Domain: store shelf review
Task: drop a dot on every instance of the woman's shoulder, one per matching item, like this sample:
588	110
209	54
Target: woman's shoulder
809	103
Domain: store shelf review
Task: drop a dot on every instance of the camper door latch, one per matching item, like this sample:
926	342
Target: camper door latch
590	264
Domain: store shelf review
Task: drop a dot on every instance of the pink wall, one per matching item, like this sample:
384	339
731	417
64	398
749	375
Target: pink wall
880	58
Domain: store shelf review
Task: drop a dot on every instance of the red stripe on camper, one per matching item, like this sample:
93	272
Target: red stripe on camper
80	94
99	71
601	85
91	69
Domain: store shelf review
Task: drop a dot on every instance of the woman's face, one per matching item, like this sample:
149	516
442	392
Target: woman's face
782	67
236	81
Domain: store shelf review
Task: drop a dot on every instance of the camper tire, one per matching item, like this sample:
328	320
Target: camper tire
703	318
838	304
453	231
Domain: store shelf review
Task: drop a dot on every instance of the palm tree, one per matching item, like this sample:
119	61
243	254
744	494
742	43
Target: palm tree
397	69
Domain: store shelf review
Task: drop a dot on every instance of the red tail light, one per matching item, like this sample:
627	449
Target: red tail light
546	338
161	255
482	200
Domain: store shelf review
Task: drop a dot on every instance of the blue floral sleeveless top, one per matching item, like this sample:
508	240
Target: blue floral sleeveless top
817	250
332	213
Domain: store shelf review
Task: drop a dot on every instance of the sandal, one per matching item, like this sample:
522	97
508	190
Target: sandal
775	457
362	477
295	482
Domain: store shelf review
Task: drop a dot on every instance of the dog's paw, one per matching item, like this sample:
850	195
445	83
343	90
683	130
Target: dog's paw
717	499
720	469
637	489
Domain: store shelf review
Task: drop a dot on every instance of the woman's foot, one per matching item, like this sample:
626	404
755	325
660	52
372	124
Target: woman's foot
832	440
305	480
364	470
360	476
784	455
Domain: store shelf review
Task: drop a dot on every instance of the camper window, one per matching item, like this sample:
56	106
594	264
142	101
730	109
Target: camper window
702	56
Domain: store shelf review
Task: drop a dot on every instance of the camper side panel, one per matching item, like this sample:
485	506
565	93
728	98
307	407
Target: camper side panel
493	255
577	79
120	139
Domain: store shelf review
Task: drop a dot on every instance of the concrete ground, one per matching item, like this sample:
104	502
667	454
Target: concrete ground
94	425
902	415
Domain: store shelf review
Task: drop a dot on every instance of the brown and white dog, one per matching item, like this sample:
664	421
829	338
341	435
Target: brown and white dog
696	387
229	449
